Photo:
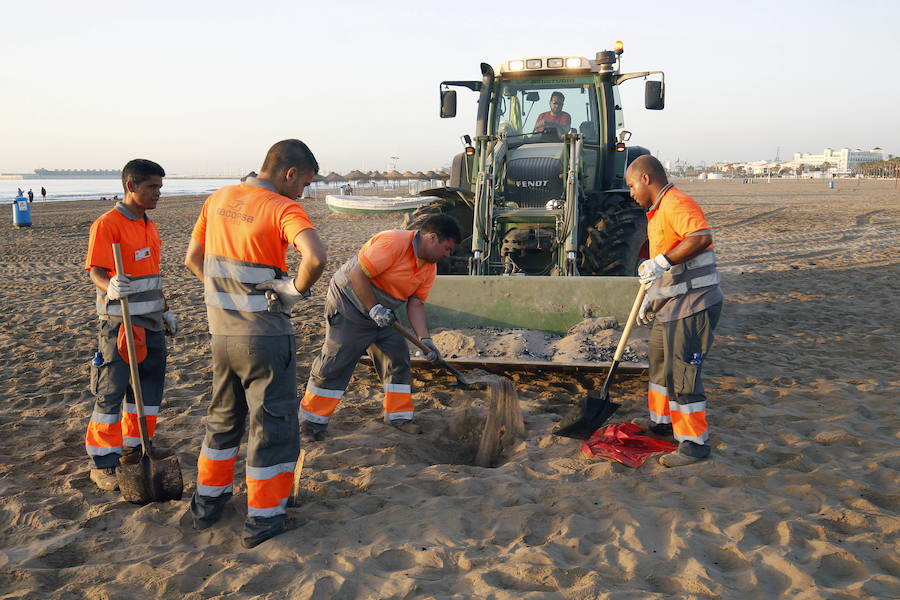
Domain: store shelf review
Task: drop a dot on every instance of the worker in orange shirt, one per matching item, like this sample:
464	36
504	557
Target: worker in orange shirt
238	250
110	436
392	268
684	301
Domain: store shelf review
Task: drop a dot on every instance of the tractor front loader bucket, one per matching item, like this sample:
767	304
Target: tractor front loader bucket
551	304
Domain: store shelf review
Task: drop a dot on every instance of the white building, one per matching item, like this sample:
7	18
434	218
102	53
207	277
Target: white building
843	160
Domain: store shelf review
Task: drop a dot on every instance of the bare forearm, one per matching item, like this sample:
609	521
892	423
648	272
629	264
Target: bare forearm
415	310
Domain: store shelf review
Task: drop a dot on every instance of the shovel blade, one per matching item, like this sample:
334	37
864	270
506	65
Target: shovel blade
150	480
586	417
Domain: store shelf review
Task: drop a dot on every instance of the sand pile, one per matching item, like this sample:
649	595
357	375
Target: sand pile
593	339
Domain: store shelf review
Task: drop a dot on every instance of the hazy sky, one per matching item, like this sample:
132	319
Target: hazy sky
207	87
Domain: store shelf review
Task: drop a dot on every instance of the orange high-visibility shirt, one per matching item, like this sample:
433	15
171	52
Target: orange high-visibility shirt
390	262
138	239
675	217
250	224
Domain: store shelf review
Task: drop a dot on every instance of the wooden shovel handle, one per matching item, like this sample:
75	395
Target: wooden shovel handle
425	350
132	357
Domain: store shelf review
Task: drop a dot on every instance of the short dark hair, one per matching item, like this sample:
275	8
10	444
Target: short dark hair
649	164
140	170
558	95
290	153
444	226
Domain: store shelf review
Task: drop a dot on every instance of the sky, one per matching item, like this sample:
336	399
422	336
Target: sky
207	87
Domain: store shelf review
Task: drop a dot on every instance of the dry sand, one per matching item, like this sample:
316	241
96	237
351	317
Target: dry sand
799	500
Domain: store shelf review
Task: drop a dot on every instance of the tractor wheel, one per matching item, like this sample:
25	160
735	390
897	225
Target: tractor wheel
458	263
616	244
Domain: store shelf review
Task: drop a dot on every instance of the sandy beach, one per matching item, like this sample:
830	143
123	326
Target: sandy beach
800	499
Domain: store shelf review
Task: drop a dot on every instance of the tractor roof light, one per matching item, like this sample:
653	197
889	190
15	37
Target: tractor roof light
516	65
573	62
533	63
554	63
620	48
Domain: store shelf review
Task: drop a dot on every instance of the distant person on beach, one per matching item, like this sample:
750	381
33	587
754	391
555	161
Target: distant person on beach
393	268
112	435
30	195
685	298
556	119
237	249
20	192
44	194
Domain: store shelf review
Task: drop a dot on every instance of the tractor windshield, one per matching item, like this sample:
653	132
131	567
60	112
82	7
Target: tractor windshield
532	111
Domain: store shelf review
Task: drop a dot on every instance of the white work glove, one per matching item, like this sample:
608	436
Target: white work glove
383	317
645	315
170	322
434	356
651	270
282	294
119	287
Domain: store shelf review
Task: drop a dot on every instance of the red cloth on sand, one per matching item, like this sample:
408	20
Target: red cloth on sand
624	443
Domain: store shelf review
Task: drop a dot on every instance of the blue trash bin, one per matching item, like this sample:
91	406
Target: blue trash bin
21	212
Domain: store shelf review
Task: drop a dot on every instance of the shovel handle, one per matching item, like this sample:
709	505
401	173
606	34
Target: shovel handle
425	350
132	357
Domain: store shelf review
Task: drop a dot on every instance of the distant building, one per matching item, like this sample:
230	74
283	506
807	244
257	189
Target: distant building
842	161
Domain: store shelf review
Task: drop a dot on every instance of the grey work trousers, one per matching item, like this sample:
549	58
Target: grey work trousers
676	352
111	384
255	379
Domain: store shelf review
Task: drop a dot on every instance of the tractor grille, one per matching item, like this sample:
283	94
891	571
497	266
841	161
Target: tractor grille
531	182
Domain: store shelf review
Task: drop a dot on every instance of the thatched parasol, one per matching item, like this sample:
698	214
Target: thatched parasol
394	175
355	175
409	175
333	177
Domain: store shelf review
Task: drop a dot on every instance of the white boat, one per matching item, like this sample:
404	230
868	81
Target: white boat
373	204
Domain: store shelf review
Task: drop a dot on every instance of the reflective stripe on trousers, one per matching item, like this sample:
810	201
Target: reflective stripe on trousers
255	385
346	341
675	392
109	429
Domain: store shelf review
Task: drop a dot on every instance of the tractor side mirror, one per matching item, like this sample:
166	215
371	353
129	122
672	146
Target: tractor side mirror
654	95
448	104
532	96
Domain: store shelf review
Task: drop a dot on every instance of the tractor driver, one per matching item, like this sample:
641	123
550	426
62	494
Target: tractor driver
555	119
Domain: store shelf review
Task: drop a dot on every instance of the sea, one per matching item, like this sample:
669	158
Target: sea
63	190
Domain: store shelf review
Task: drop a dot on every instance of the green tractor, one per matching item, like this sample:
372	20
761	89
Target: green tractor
540	190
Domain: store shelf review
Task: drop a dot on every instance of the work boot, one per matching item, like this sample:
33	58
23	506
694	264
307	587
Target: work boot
260	529
687	454
406	426
131	454
312	432
206	511
663	430
105	478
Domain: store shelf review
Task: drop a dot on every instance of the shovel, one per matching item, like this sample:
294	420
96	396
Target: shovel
425	350
590	413
154	476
